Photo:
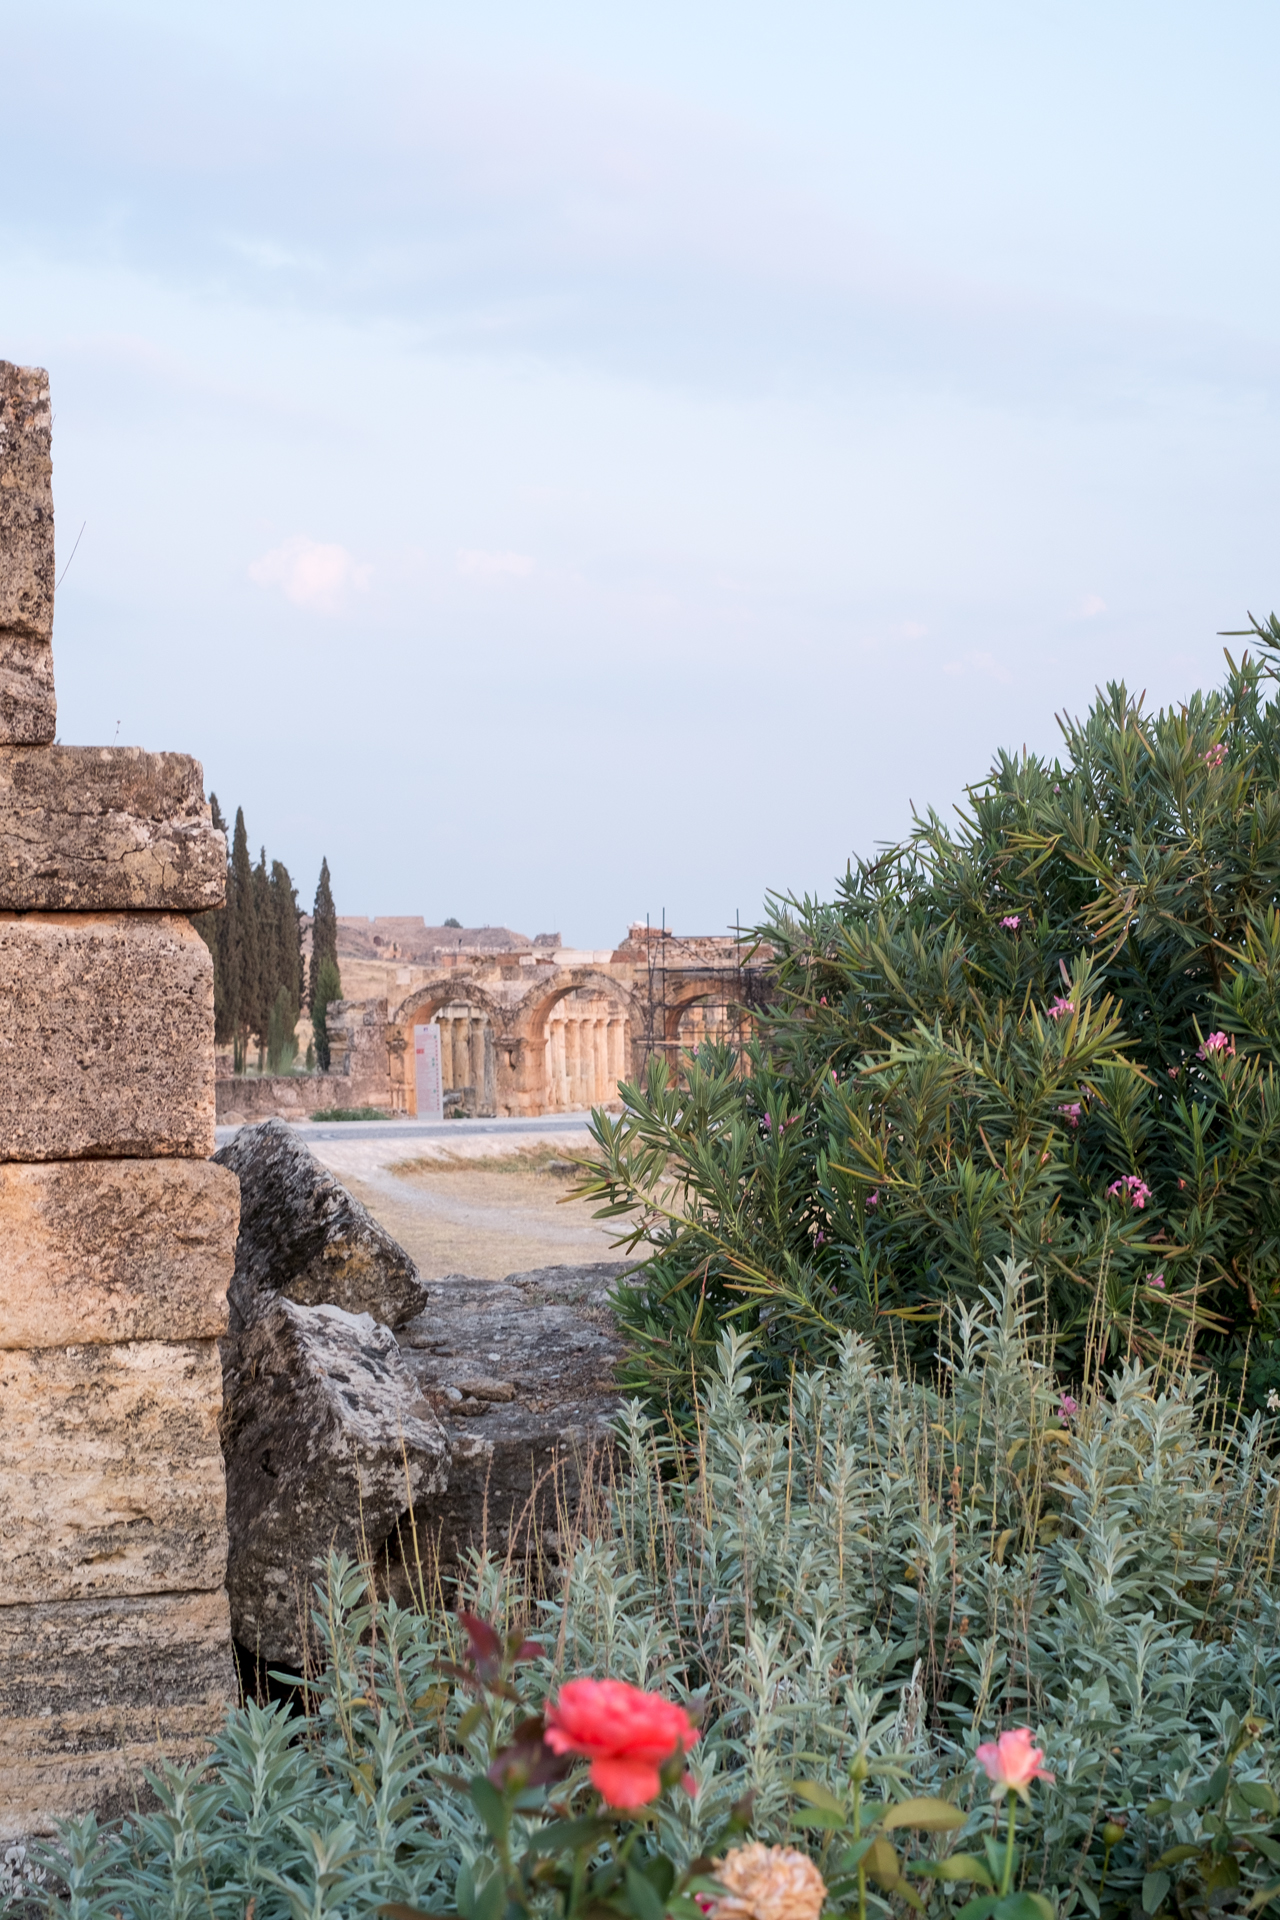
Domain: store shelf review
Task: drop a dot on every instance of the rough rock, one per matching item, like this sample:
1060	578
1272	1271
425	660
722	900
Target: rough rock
93	1251
521	1373
101	828
328	1442
111	1478
106	1044
303	1237
28	709
92	1691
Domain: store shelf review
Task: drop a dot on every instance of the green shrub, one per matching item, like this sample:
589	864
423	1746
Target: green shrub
1052	1027
870	1563
282	1042
328	987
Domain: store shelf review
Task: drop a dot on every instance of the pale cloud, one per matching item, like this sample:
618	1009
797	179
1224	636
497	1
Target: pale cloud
1092	606
476	561
983	663
311	573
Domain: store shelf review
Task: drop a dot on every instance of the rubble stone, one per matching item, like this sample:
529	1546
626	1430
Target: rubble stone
28	710
304	1237
105	1047
93	1691
521	1373
328	1442
95	1251
103	828
111	1477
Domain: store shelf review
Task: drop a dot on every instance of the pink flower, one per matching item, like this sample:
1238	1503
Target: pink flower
1072	1111
1067	1407
873	1199
628	1735
1012	1763
766	1121
1133	1188
1216	754
1156	1280
1217	1043
819	1239
1060	1007
1013	921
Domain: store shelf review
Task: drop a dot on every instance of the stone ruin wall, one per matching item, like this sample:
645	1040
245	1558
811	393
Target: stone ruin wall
117	1234
526	1027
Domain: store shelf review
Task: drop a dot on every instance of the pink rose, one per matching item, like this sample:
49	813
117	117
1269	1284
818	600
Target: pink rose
627	1735
1012	1763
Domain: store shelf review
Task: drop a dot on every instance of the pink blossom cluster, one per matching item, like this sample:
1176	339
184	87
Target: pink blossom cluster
1216	754
1072	1111
1217	1043
1133	1188
1156	1280
1068	1408
1060	1007
1013	921
873	1199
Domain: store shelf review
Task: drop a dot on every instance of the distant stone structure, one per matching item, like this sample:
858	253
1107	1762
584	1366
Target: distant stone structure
117	1234
526	1026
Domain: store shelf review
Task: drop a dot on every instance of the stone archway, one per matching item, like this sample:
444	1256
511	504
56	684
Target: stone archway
470	1023
574	1041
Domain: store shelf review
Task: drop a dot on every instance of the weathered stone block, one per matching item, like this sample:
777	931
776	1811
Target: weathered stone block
302	1235
106	1047
111	1476
327	1443
521	1373
93	828
28	710
93	1691
94	1251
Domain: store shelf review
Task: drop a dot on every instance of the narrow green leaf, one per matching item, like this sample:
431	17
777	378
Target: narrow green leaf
1154	1888
926	1816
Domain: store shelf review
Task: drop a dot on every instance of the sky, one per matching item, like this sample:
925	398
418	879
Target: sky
572	463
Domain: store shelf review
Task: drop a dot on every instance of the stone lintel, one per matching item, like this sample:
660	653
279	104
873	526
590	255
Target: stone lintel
103	828
97	1251
106	1047
111	1476
92	1692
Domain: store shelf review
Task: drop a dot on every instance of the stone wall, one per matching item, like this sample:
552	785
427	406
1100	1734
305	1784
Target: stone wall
117	1235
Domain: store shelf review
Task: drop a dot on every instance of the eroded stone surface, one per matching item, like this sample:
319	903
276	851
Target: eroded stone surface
111	1478
521	1373
93	1691
304	1237
94	828
27	707
328	1442
106	1046
94	1251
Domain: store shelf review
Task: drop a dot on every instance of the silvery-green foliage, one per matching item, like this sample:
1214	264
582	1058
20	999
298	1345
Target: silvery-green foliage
869	1562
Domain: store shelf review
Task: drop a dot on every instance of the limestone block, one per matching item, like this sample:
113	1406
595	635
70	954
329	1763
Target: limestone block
94	1251
106	1046
111	1477
521	1374
96	828
93	1691
28	711
327	1443
302	1235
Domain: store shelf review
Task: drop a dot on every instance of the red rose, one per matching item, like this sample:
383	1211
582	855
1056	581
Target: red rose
625	1733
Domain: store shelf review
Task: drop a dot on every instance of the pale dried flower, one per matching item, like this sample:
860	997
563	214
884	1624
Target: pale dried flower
768	1883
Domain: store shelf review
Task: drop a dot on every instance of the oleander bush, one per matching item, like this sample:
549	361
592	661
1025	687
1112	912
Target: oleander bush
870	1571
1050	1028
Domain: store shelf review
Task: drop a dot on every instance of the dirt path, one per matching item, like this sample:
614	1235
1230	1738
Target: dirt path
485	1216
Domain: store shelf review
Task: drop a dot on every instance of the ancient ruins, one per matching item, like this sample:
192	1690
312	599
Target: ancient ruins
117	1233
526	1026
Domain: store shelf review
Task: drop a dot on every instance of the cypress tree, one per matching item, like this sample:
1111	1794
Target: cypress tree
324	933
245	937
265	935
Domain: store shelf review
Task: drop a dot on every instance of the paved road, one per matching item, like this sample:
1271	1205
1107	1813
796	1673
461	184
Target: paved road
408	1130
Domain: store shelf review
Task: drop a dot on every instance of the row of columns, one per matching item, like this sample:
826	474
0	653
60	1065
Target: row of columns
585	1056
466	1057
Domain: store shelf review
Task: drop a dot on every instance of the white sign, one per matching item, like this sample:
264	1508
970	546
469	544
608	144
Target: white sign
426	1073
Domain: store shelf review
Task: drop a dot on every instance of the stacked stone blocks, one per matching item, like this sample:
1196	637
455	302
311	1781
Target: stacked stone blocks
117	1234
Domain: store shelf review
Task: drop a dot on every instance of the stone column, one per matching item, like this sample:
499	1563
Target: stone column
475	1063
571	1037
117	1235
